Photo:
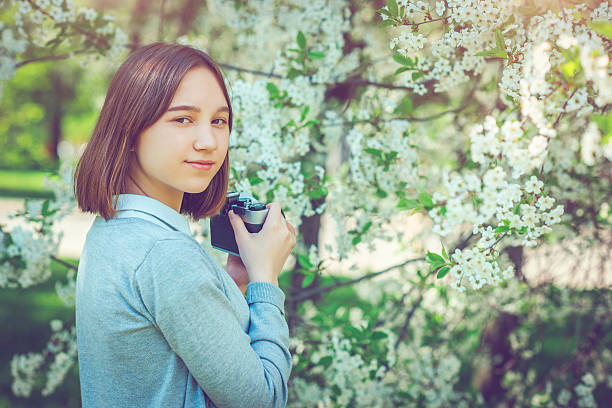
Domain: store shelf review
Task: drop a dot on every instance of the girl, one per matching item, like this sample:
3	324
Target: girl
159	323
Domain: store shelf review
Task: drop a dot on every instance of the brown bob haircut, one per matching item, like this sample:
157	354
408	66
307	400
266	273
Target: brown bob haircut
139	94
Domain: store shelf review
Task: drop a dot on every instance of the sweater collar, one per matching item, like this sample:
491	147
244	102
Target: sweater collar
128	203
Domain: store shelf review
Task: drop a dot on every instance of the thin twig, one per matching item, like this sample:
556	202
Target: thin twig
408	23
49	58
554	127
310	293
463	106
66	264
409	315
250	71
97	38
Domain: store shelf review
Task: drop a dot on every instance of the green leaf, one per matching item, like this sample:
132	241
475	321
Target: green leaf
426	200
366	227
501	228
326	361
304	261
356	240
405	105
272	90
384	11
373	152
402	59
381	193
254	180
417	74
301	40
602	28
402	69
434	258
379	335
308	280
293	73
407	204
392	6
317	193
311	122
304	113
443	271
387	23
569	69
45	208
500	48
499	40
315	55
603	122
492	54
444	254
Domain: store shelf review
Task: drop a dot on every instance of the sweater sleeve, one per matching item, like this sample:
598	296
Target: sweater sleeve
179	288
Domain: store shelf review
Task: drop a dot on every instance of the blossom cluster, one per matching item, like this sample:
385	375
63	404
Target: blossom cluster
56	359
268	146
500	199
25	256
26	249
350	381
35	27
326	23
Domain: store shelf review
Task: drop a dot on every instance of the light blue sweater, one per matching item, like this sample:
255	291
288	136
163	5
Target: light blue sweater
160	324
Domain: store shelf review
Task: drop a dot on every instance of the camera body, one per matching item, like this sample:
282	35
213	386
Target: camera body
246	207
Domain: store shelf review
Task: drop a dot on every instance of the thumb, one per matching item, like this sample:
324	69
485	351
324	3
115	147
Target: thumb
238	225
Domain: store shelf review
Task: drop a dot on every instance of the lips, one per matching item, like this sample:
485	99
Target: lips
201	164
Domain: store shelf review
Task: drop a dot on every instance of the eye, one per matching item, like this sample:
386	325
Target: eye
181	118
222	121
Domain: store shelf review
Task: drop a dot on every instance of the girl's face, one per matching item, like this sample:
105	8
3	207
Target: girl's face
194	128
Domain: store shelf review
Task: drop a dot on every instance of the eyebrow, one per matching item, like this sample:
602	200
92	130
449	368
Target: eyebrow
195	108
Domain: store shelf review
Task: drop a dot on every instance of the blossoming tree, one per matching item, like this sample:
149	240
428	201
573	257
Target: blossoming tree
488	121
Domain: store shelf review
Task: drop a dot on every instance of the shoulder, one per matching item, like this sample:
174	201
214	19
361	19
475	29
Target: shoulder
131	234
174	273
133	225
171	257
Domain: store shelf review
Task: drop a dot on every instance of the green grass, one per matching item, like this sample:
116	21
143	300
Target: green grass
23	184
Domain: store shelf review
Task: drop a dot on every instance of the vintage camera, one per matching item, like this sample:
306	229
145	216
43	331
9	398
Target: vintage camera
252	213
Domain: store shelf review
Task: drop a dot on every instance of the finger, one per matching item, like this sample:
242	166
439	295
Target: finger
292	235
240	230
290	228
273	215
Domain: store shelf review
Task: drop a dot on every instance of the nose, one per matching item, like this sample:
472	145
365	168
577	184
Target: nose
205	138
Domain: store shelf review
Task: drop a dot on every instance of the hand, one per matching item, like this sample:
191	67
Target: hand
264	253
237	271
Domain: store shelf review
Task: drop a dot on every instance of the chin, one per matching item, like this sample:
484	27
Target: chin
196	190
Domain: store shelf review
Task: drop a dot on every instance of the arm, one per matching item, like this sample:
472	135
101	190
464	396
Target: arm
235	369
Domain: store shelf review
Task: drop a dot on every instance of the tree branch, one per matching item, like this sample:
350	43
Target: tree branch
465	103
409	315
49	58
98	39
310	293
250	71
356	82
64	263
